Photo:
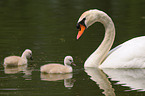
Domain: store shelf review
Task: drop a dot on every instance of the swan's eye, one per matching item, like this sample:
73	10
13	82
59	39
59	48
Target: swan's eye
82	23
78	26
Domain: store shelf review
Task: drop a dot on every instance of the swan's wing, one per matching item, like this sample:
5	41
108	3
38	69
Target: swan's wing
134	40
129	54
112	50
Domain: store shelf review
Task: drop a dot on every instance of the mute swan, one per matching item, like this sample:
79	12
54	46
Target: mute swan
17	60
59	68
130	54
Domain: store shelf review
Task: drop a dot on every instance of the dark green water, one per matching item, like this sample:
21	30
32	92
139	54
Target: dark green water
48	28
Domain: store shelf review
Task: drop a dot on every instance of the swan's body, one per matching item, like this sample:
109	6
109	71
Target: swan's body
17	60
58	68
127	55
130	54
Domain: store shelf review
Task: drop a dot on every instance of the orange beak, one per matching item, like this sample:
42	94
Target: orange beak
82	27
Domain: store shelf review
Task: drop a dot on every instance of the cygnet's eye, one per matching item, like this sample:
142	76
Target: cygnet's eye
71	60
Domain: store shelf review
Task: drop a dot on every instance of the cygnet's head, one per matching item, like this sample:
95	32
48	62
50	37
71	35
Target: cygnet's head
28	54
68	60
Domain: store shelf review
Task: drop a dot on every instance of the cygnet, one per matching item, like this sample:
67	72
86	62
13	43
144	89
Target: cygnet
17	60
59	68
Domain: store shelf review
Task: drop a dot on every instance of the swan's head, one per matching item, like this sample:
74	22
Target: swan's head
87	19
68	60
28	54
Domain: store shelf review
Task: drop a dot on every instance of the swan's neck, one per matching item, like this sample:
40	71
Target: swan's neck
99	54
24	56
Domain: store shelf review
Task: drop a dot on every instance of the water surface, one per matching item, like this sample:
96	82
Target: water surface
48	28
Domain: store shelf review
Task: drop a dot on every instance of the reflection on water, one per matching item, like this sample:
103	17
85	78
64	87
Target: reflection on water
55	77
133	78
16	69
68	81
101	79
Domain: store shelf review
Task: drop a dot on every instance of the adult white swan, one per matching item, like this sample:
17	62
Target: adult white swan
130	54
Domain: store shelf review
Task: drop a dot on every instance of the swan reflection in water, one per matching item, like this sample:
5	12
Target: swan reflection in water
16	69
68	81
101	79
133	78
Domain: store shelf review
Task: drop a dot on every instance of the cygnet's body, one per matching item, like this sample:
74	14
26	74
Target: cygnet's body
58	68
17	60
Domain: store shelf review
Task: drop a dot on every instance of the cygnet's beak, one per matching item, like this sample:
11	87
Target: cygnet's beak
31	58
73	64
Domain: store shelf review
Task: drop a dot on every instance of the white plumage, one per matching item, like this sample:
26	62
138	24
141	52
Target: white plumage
130	54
